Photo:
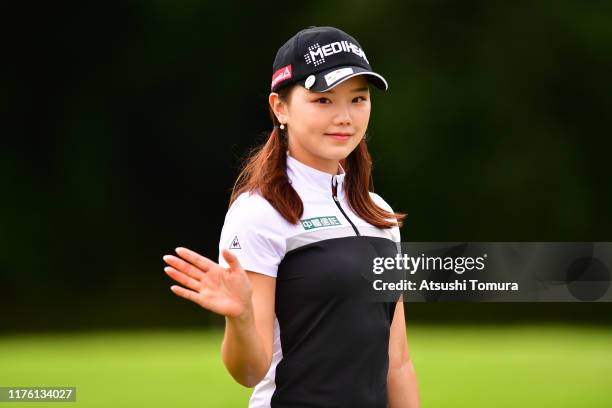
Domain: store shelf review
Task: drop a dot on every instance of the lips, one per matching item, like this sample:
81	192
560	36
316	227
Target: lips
339	135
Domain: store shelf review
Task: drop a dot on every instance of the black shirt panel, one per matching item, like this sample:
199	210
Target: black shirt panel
335	340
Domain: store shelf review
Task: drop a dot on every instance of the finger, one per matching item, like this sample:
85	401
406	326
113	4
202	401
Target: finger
183	266
196	259
183	279
184	293
231	259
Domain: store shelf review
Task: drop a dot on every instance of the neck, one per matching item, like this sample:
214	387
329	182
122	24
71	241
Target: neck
326	165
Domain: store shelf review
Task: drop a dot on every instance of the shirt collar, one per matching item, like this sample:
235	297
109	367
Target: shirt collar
302	176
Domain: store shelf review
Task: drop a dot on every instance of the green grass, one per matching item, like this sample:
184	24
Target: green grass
506	366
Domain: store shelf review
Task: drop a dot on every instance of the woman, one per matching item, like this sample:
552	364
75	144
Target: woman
301	225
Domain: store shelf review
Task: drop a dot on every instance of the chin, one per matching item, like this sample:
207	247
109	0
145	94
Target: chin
341	154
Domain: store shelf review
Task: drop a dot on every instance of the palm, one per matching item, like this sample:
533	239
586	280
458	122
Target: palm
223	292
226	291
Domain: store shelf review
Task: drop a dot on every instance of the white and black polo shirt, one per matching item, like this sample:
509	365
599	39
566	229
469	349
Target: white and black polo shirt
330	348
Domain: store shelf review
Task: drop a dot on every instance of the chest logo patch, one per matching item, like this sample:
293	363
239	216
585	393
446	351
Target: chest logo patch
317	222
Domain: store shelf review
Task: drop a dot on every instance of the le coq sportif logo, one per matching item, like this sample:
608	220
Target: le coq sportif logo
235	244
317	53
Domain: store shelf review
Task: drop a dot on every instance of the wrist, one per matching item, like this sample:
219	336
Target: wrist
244	319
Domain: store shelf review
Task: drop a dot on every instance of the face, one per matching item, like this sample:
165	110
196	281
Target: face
325	127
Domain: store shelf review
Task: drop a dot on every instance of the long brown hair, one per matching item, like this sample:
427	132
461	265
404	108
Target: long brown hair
265	171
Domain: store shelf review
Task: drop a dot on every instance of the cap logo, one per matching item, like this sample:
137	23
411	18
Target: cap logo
337	75
317	53
281	75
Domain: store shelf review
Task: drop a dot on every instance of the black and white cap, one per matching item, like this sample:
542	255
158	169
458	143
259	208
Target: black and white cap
319	58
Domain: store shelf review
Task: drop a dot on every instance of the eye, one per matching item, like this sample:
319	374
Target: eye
323	100
359	99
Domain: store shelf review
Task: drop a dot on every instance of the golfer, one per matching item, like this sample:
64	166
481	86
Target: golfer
301	226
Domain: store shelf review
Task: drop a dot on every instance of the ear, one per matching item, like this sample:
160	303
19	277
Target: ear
278	107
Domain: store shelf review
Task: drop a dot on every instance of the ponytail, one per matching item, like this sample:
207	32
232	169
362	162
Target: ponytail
265	171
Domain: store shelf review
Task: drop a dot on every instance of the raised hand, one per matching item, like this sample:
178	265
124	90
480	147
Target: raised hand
226	291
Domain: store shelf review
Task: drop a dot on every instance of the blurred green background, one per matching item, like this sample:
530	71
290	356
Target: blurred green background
123	126
457	366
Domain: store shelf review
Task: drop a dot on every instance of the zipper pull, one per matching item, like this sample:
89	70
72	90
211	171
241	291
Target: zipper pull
334	196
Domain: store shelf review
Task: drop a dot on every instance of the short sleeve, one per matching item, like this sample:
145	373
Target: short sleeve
253	232
395	231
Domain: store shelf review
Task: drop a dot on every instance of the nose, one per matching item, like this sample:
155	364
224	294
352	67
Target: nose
343	115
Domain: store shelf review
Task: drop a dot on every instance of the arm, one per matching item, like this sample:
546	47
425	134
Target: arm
246	299
247	344
402	387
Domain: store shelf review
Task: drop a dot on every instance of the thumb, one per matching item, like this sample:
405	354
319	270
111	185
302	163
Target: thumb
231	259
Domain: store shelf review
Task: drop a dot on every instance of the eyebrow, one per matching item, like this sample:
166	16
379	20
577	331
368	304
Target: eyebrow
364	88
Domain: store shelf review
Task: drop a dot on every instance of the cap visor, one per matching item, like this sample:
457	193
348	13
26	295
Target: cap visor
326	80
